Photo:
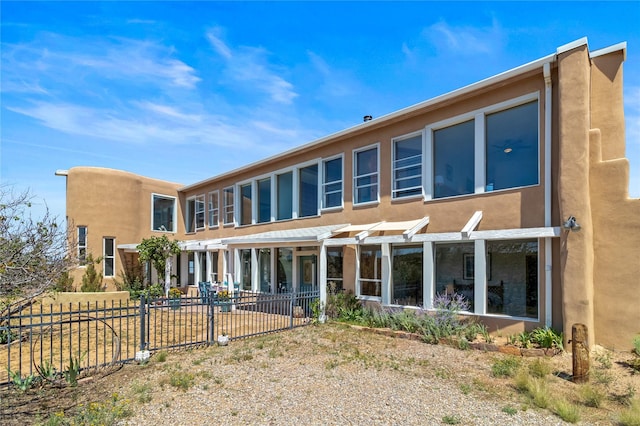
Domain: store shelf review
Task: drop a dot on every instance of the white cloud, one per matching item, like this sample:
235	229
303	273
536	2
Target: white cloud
465	40
336	83
250	67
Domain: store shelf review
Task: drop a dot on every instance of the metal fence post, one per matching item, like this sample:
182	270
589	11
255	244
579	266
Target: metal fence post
210	310
291	295
143	343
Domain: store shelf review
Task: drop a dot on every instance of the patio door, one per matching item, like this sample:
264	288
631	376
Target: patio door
307	273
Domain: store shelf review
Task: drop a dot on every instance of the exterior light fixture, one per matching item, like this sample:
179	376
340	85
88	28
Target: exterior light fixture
571	224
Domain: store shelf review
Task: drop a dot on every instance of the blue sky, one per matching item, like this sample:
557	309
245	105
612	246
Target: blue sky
184	91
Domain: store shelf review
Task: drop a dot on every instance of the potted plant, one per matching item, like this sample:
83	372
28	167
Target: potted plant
224	300
174	297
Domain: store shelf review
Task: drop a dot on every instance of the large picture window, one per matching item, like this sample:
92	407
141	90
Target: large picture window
407	167
407	275
308	191
370	271
214	210
512	287
512	147
163	213
285	195
365	176
228	205
332	183
450	265
453	160
264	200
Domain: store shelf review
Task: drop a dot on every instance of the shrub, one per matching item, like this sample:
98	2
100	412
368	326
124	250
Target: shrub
92	279
592	396
630	416
64	283
505	367
547	338
539	368
568	412
636	345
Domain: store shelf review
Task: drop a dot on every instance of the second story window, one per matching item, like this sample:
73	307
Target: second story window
214	211
407	167
264	200
332	183
308	191
228	205
365	175
285	195
453	160
199	212
246	204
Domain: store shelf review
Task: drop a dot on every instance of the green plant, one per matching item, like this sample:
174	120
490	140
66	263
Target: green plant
47	371
547	338
107	413
142	392
523	339
181	380
636	345
22	383
316	311
7	335
484	331
64	283
505	367
509	410
161	356
92	279
568	412
539	368
539	393
73	370
450	420
631	415
592	396
174	293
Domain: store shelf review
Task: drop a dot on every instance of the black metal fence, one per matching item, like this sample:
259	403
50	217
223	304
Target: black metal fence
54	338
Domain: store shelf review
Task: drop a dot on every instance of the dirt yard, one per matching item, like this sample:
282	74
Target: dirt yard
324	369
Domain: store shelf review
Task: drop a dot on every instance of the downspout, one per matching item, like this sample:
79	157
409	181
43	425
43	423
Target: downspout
546	70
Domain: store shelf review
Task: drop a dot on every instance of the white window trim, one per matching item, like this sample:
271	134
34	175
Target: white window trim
200	199
105	257
84	246
322	183
210	209
354	177
393	161
479	143
229	208
175	212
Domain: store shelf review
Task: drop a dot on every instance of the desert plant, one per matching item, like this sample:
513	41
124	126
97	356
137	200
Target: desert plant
161	356
592	396
539	368
523	339
631	415
181	380
92	279
72	372
568	412
64	282
636	345
451	420
547	338
509	410
22	383
505	367
142	392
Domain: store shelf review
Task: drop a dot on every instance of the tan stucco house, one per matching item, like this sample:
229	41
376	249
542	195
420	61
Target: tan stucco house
512	191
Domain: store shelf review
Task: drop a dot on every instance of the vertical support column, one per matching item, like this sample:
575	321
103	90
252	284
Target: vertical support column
428	269
386	274
480	277
580	351
322	277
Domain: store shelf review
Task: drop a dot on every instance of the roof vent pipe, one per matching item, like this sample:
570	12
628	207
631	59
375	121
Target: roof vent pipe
367	118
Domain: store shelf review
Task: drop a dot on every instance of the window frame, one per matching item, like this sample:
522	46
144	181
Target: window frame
324	184
479	115
174	215
377	271
228	202
240	205
260	200
106	258
299	169
82	245
355	186
213	213
394	141
199	212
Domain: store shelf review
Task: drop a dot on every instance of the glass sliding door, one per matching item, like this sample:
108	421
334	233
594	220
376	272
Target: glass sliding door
307	273
407	275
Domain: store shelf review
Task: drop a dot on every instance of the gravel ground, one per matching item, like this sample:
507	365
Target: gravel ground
329	375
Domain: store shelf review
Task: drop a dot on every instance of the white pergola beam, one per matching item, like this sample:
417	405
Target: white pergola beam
409	233
471	224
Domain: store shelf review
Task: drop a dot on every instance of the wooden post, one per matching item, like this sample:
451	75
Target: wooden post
580	350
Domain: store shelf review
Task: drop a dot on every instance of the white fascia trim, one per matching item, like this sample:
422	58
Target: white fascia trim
572	45
472	224
128	248
522	69
616	47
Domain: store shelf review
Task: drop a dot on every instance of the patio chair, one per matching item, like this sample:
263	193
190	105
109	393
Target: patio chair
204	288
